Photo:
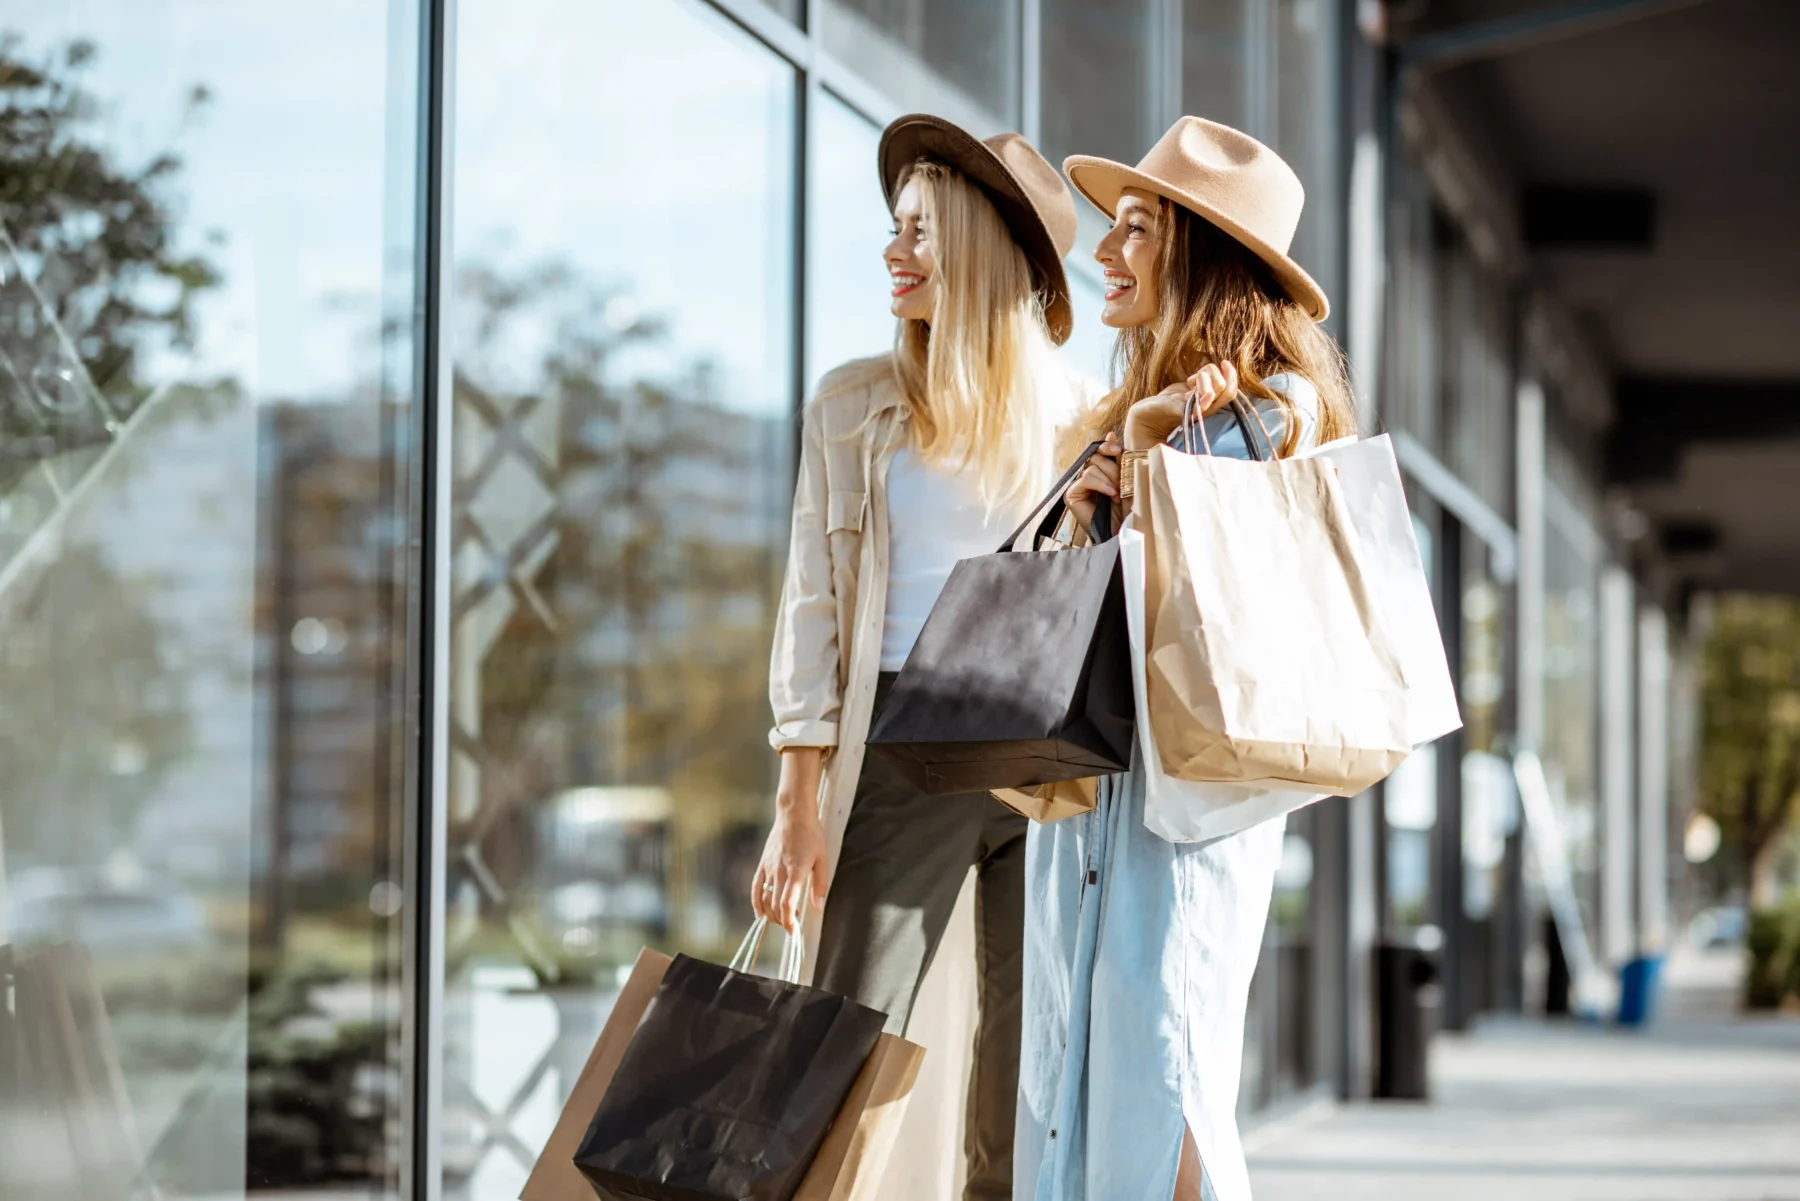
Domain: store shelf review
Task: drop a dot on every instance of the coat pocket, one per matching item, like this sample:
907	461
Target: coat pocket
844	511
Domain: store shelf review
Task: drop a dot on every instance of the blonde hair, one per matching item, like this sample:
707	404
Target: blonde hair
1219	303
977	377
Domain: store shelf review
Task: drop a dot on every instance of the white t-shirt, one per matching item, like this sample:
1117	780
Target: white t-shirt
934	519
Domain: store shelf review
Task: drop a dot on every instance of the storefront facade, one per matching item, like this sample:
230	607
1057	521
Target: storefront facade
402	405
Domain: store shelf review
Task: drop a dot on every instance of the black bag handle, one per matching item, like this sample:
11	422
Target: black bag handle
1102	505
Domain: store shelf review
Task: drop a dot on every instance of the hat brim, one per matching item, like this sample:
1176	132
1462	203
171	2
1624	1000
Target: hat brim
912	138
1101	181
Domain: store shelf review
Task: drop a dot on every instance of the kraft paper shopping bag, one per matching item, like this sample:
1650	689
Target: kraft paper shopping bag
1188	810
1268	662
848	1164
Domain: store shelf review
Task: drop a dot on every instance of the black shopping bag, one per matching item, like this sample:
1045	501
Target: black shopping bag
727	1089
1021	675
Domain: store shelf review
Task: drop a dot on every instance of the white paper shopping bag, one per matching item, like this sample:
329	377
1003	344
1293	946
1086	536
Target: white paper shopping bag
1369	477
1186	810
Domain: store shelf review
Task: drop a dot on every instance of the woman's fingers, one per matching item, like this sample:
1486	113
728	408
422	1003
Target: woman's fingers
1098	478
759	894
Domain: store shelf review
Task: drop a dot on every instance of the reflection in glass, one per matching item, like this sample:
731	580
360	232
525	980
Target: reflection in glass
1303	127
622	434
1409	803
959	58
1291	917
1101	78
1216	50
1572	707
847	287
204	349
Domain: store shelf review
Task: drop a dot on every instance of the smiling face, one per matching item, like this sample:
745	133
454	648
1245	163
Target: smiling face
911	261
1132	256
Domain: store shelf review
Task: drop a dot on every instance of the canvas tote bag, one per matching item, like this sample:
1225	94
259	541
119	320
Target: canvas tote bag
848	1164
1021	675
1268	660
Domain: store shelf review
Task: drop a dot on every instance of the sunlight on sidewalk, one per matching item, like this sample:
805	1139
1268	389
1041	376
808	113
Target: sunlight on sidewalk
1702	1107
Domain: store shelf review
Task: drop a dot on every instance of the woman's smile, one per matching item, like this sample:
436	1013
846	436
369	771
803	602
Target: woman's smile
906	281
1117	284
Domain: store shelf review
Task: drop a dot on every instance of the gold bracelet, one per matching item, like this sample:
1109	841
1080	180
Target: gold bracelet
1128	462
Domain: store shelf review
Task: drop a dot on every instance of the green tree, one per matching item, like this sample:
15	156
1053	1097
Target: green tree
1750	757
102	233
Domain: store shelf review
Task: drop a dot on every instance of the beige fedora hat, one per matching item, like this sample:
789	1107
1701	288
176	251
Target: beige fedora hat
1228	177
1026	190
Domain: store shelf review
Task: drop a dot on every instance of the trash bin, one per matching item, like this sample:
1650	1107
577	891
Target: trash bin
1637	990
1406	975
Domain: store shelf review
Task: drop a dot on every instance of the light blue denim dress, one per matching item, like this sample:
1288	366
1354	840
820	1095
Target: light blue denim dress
1138	959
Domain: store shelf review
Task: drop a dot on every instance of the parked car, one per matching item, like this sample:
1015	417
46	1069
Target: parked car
144	919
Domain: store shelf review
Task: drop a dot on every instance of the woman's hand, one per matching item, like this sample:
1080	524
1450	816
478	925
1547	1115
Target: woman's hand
794	856
1151	420
1099	478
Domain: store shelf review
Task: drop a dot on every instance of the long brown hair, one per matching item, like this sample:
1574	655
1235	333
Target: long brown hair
1219	303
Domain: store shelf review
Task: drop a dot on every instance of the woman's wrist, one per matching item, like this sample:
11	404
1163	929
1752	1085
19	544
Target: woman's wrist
1137	438
798	789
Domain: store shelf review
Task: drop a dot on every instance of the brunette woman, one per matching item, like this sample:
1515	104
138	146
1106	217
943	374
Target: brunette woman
1139	952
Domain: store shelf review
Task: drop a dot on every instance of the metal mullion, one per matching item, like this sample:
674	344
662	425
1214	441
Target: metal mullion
1169	67
808	97
772	29
429	798
850	87
1031	70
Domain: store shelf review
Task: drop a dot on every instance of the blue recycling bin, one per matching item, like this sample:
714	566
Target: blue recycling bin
1637	990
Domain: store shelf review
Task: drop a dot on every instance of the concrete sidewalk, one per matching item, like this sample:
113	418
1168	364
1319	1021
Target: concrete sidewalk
1704	1107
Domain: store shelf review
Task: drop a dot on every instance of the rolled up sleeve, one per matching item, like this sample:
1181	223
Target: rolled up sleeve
804	690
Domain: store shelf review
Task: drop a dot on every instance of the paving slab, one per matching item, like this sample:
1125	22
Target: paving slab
1704	1106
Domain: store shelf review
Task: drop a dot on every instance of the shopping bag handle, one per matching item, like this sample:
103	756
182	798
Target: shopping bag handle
1099	529
793	951
1238	408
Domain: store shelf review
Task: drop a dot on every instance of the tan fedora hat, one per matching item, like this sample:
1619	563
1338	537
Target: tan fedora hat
1026	190
1228	177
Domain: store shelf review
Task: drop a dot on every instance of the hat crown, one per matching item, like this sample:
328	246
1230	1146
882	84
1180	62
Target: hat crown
1042	186
1234	173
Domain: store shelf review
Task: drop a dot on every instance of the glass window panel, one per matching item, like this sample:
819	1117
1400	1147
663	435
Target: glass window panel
1304	128
1572	704
1291	933
623	432
1216	61
959	58
847	314
205	299
1090	345
1100	70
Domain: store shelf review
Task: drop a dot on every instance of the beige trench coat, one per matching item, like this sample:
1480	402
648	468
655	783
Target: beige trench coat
822	679
827	648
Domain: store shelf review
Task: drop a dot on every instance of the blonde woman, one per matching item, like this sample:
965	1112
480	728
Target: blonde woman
1139	952
909	462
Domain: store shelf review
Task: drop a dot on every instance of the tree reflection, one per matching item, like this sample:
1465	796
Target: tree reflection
100	238
634	601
